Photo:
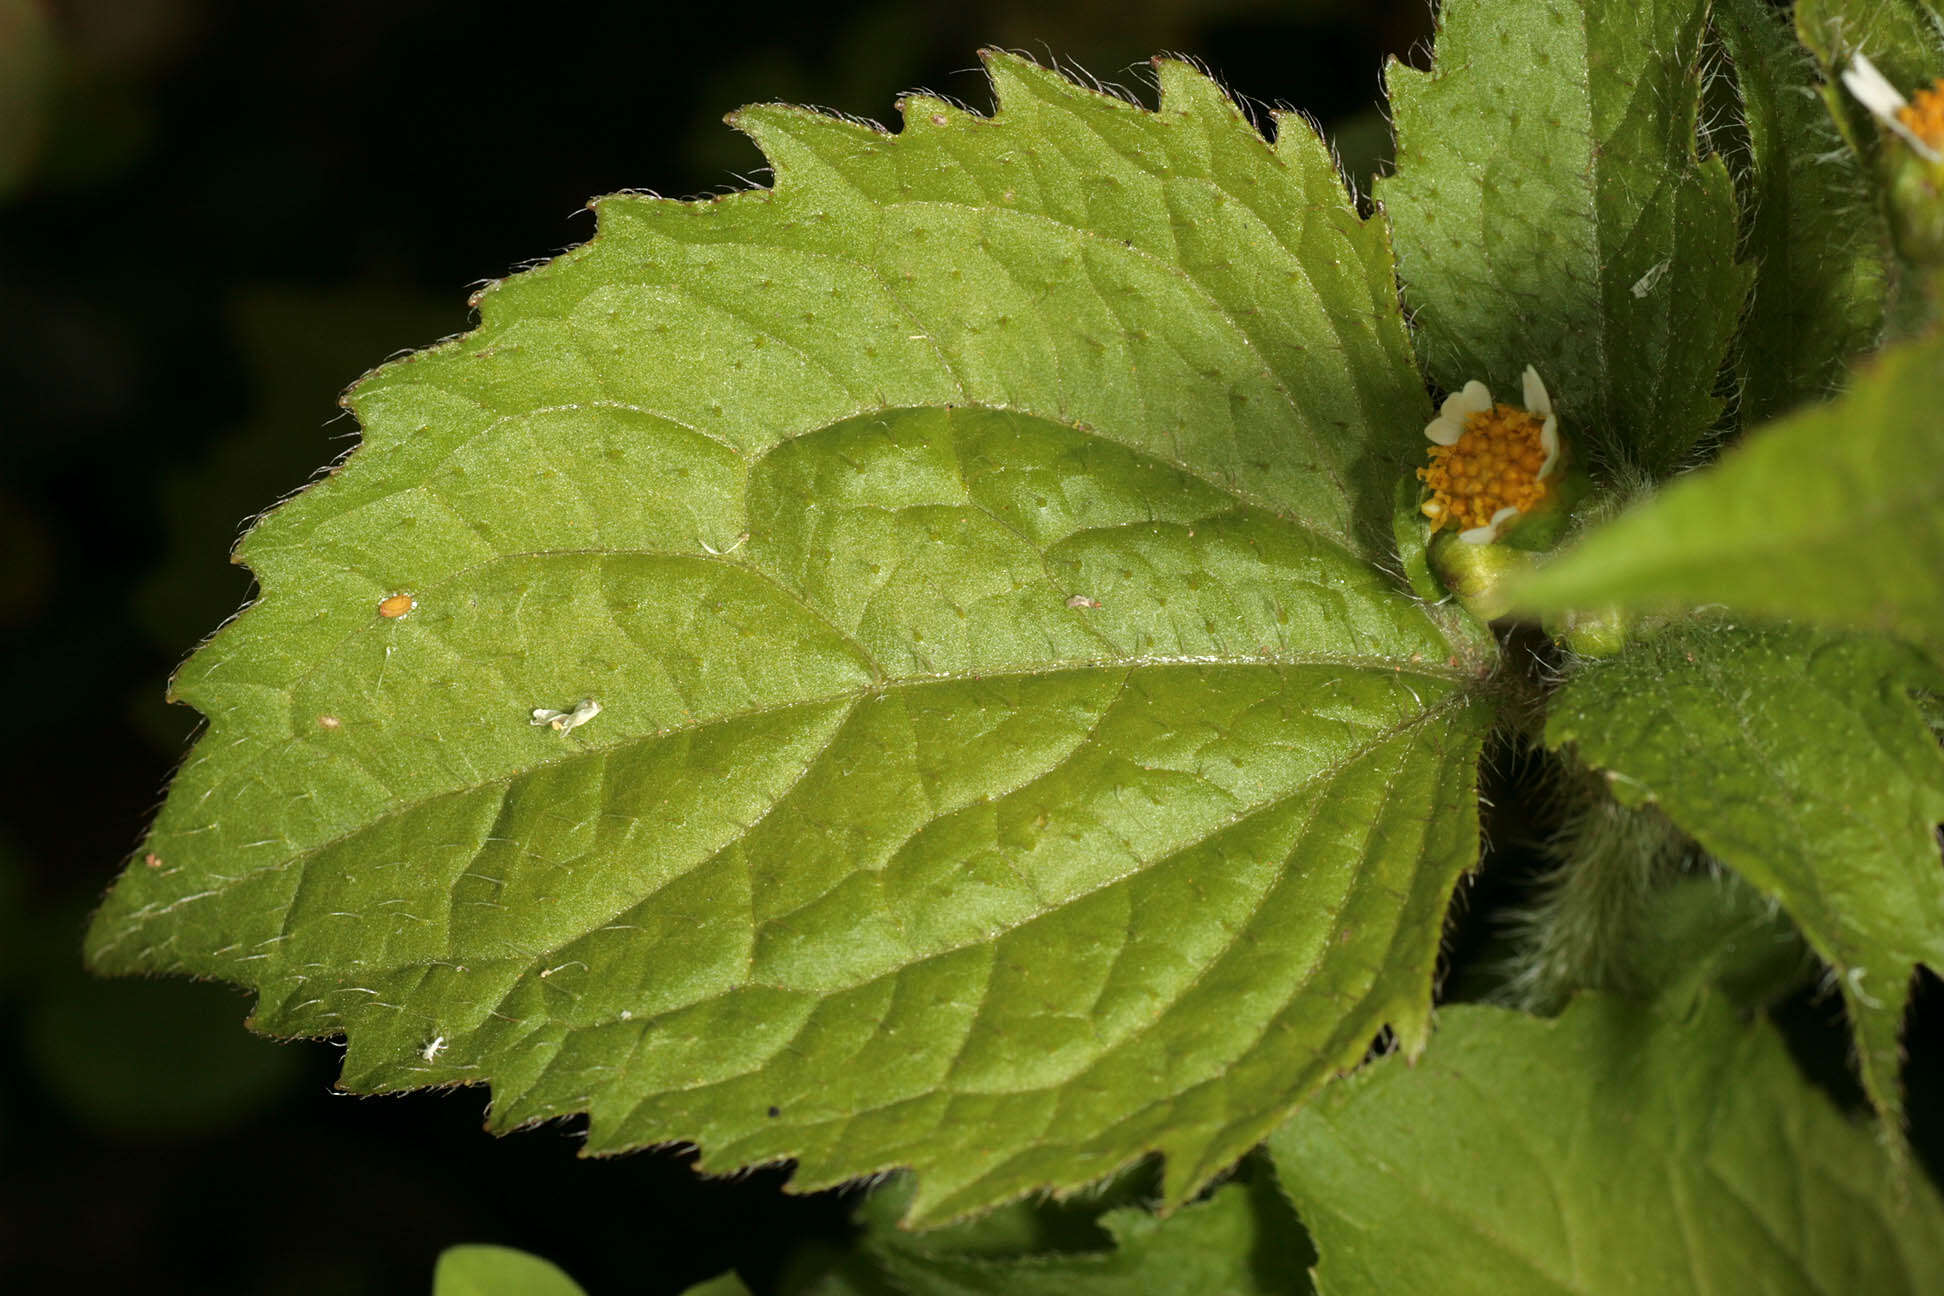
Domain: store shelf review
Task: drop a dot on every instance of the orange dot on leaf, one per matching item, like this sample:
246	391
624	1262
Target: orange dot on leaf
397	605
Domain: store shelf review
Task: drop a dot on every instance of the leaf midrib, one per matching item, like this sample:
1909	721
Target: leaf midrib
1374	666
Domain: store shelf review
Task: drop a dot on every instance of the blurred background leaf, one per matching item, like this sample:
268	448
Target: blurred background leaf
478	1270
27	73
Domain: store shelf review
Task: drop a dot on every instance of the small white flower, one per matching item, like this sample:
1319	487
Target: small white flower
1886	103
1468	473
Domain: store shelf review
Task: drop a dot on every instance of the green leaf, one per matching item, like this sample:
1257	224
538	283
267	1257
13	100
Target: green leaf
1549	210
1242	1240
1011	761
1834	515
1608	1150
1718	932
1903	38
1799	759
1816	237
726	1284
479	1270
1036	1225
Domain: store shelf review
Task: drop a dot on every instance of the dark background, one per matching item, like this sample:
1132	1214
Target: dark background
214	215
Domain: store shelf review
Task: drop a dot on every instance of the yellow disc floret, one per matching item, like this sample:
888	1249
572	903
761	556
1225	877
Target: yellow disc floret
1924	115
1494	465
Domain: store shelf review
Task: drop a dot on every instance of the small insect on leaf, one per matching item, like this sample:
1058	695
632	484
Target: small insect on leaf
396	606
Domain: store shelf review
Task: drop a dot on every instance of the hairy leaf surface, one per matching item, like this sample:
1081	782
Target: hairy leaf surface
1903	38
1833	515
1243	1240
1549	210
1010	761
1799	759
1608	1150
1814	234
1717	932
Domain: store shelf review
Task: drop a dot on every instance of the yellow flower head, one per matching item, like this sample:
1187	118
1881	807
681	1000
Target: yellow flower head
1489	462
1920	121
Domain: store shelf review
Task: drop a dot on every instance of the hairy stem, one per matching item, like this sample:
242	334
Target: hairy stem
1610	859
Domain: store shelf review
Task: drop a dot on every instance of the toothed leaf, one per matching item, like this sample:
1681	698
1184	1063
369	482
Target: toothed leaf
1010	758
1606	1151
1549	210
1801	760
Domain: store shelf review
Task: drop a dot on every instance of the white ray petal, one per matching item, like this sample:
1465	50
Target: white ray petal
1537	399
1489	532
1473	398
1874	91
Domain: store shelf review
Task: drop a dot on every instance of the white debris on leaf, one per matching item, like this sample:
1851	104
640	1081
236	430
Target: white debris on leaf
567	721
1649	281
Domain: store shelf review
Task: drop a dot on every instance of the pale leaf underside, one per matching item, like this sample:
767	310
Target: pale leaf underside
1606	1152
1240	1241
1010	761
